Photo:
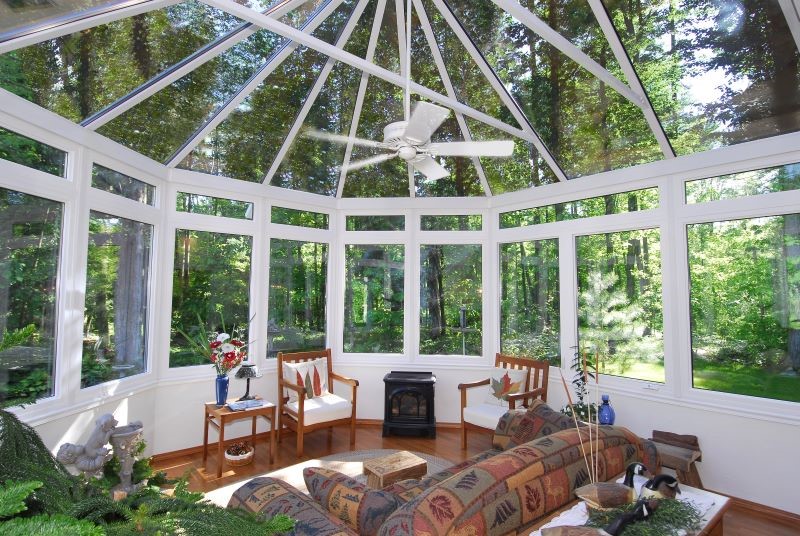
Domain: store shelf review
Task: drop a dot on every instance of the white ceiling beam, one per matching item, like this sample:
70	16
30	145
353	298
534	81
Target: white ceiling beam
537	25
50	29
315	91
282	53
448	85
326	48
362	91
791	10
625	64
501	90
403	49
184	67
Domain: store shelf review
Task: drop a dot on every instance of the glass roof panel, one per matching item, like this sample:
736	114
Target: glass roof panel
717	72
174	114
587	126
387	52
423	68
20	15
78	74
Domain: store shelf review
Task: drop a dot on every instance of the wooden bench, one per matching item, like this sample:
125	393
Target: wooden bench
680	453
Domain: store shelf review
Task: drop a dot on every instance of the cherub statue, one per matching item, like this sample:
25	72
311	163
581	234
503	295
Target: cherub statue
91	457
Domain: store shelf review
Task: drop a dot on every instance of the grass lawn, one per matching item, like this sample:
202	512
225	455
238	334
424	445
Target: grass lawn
745	381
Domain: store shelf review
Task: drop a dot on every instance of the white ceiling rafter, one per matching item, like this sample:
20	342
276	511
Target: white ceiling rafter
537	25
345	57
82	22
362	91
403	46
185	66
625	64
282	53
448	85
315	91
791	11
505	96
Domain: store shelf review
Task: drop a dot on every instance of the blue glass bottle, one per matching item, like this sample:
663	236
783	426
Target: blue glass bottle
606	412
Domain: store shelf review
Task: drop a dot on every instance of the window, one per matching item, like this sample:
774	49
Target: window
745	306
619	302
301	218
214	206
114	182
756	182
210	287
34	154
529	299
30	240
583	208
450	297
374	298
115	314
375	223
461	222
297	296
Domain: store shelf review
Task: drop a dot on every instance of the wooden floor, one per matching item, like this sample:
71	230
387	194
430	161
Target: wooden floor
739	521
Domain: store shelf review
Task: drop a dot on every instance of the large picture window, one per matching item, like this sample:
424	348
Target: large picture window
450	297
30	238
297	296
210	289
745	306
529	299
374	298
115	314
620	316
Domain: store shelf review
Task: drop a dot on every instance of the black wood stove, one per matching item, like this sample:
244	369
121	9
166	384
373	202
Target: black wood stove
409	404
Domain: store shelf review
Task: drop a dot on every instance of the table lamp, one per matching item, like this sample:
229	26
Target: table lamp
247	371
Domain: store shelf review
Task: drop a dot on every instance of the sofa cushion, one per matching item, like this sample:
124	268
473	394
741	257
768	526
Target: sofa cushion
511	490
484	415
361	508
323	408
520	426
270	496
504	382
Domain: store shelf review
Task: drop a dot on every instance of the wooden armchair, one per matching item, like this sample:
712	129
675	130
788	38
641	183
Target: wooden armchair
308	414
482	416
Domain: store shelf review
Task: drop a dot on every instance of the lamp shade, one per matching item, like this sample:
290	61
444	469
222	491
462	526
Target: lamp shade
248	370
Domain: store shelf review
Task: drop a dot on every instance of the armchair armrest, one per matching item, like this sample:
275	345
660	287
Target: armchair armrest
512	399
344	379
469	385
294	387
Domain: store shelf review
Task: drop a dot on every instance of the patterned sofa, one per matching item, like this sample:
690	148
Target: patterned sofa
533	469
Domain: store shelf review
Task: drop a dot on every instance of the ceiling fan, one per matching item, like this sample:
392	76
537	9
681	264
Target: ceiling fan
410	140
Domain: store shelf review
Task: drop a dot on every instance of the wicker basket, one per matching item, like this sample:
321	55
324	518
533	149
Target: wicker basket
243	459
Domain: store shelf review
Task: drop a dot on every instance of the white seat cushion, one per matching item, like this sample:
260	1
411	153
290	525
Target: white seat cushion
484	415
329	407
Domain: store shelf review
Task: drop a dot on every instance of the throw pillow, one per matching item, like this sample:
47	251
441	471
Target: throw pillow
361	508
504	382
311	375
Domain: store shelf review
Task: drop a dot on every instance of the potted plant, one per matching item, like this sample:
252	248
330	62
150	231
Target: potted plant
239	453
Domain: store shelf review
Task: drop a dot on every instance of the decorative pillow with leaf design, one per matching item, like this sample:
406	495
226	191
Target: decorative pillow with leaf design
312	375
504	382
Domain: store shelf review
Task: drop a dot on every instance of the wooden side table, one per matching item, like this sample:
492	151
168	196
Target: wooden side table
387	470
218	417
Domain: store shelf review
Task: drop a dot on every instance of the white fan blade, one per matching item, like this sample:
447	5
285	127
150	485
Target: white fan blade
340	138
473	148
430	168
377	159
425	119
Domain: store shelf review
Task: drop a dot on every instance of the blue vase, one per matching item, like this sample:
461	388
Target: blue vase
605	415
222	390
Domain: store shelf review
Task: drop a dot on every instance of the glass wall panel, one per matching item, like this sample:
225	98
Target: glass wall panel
115	312
30	241
374	298
756	182
117	183
529	300
456	222
301	218
717	72
29	152
214	206
619	302
210	289
375	223
450	296
745	306
297	296
583	208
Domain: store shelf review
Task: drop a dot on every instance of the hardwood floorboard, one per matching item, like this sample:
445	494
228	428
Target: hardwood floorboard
739	521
